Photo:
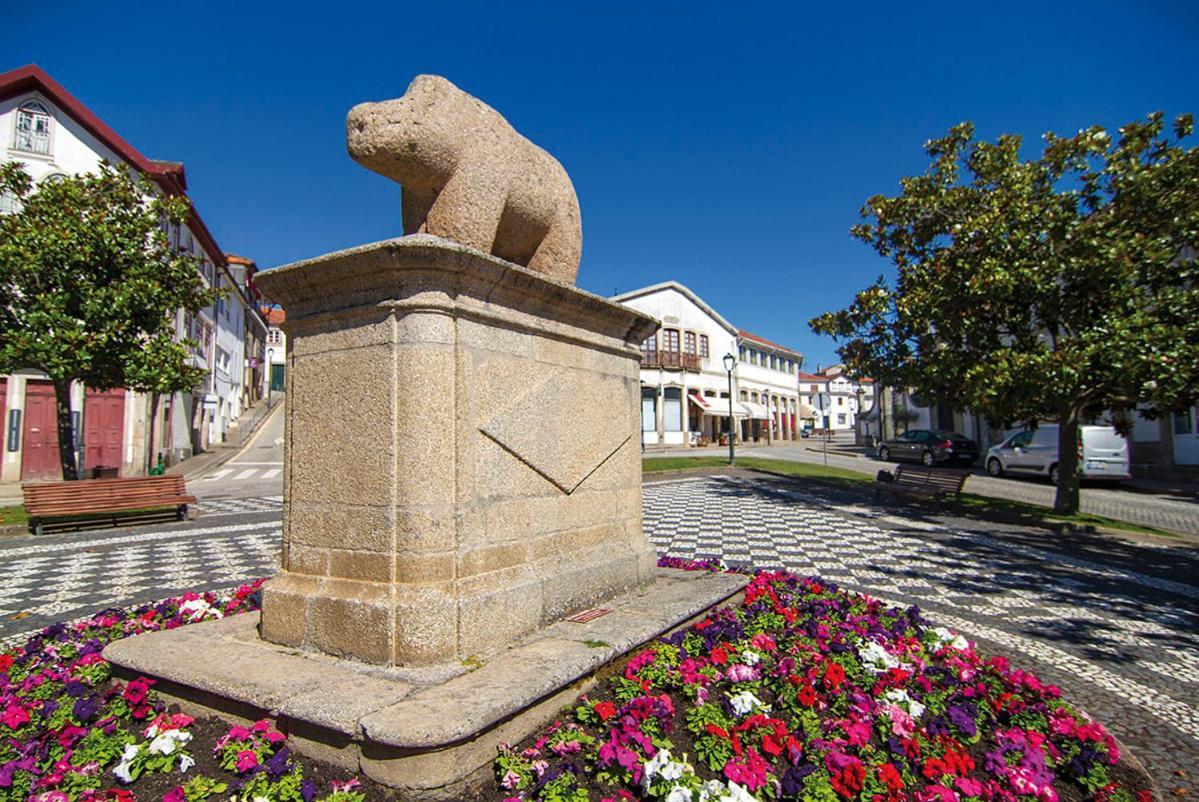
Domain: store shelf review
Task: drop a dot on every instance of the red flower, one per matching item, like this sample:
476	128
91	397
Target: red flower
135	691
605	710
806	695
848	781
5	662
719	656
889	776
834	675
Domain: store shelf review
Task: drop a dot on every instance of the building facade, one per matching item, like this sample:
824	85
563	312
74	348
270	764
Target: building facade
53	136
685	387
276	349
847	399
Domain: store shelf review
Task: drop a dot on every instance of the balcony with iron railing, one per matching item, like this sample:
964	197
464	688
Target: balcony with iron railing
669	360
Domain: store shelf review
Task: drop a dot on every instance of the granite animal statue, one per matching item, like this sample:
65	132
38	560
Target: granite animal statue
469	177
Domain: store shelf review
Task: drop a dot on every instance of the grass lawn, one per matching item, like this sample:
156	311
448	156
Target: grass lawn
971	505
11	516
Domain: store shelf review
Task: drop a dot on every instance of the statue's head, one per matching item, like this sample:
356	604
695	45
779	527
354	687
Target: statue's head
415	139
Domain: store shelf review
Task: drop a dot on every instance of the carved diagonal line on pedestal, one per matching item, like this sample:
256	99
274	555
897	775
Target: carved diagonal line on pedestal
567	489
563	425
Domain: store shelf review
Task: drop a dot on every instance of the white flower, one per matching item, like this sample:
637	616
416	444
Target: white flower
122	769
900	698
711	790
876	658
185	763
661	765
679	794
165	743
198	608
945	636
738	793
744	703
750	657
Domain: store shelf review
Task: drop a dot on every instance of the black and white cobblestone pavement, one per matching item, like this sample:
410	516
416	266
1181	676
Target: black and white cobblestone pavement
1113	622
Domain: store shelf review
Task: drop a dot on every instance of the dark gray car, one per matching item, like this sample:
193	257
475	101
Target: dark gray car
930	447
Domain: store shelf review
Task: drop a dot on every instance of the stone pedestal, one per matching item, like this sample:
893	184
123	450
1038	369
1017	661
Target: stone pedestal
462	475
462	453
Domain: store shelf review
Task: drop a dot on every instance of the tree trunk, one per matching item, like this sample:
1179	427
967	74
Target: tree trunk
1066	502
66	432
150	437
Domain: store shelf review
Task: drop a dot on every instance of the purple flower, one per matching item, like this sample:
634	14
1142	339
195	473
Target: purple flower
963	718
277	766
308	790
793	779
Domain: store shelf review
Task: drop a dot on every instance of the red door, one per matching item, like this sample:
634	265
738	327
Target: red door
103	432
39	452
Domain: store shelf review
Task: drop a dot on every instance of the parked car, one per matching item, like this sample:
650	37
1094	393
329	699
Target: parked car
930	447
1103	454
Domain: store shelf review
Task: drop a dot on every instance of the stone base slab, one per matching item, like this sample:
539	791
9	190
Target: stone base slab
430	732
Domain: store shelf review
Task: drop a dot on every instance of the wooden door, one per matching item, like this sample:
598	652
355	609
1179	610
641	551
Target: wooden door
103	431
39	452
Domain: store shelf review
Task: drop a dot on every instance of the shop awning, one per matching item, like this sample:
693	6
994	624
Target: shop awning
756	411
718	406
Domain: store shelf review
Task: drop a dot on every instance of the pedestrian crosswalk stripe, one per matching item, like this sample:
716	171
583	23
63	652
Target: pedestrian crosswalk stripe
246	474
221	474
272	473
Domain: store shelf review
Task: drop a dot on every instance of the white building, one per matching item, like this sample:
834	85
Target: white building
685	386
276	348
53	135
847	399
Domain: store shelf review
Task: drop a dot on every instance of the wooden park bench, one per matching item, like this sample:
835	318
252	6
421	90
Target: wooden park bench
74	503
934	483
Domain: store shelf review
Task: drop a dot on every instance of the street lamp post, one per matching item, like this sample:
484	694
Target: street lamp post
730	362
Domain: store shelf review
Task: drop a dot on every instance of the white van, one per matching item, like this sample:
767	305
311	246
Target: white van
1104	454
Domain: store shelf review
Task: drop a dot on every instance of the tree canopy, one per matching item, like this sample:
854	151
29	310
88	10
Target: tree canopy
1063	287
89	286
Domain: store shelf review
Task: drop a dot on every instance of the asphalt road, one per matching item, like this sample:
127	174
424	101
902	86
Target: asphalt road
256	470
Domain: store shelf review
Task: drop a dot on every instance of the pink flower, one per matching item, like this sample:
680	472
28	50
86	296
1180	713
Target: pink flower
174	795
15	716
246	760
936	793
511	780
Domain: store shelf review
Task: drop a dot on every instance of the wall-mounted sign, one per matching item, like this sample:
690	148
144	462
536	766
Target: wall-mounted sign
14	429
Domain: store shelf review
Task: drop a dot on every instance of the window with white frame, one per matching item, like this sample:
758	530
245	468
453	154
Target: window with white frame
672	409
703	345
649	409
33	128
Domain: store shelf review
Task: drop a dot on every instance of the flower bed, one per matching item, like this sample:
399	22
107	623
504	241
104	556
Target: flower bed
809	692
803	692
68	731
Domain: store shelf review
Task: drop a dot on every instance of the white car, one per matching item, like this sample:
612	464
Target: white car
1104	454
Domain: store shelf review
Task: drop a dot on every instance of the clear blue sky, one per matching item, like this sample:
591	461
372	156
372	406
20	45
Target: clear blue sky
727	146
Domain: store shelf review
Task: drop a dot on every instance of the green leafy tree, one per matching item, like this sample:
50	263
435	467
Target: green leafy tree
1060	288
89	287
161	368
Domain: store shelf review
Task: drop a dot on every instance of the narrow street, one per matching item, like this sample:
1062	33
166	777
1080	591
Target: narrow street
255	471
